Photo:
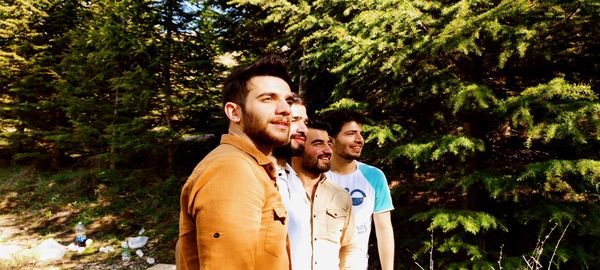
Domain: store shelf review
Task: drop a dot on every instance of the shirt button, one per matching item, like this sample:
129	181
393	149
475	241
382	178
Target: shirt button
315	216
216	235
315	239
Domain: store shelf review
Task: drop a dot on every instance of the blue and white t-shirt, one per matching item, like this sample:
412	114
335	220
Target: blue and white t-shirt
370	194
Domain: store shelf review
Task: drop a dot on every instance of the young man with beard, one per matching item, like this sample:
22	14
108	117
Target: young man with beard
281	154
367	185
324	237
284	172
232	216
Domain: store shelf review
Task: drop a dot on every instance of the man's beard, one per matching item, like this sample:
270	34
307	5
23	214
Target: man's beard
260	133
288	151
349	156
282	152
313	166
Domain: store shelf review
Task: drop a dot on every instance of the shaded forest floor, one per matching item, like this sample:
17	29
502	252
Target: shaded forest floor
114	205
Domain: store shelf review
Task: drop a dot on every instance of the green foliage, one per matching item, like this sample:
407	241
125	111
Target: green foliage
459	146
498	185
454	245
473	97
345	104
486	111
576	178
447	220
555	111
482	106
94	80
382	134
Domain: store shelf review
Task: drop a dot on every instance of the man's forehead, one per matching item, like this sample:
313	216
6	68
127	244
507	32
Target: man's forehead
352	125
299	110
315	133
266	83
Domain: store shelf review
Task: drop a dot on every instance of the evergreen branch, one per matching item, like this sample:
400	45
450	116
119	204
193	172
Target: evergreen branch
448	219
459	146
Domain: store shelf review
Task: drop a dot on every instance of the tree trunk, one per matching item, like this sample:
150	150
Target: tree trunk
113	143
167	84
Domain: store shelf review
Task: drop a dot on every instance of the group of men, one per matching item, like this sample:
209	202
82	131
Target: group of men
280	191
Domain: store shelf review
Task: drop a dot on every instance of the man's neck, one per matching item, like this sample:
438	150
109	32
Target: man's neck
279	163
309	180
342	165
237	131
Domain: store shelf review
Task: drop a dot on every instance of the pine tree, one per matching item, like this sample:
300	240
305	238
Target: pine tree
33	43
141	76
188	101
109	80
485	111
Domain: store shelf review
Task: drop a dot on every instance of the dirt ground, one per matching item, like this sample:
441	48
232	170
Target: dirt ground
17	241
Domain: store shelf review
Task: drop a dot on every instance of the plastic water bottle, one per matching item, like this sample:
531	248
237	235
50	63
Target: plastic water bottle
125	255
80	234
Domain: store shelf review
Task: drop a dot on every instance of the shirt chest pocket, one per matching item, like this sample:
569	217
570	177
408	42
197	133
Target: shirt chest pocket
336	219
275	237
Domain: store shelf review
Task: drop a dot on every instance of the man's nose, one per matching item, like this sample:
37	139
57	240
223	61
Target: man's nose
302	128
358	138
327	149
283	107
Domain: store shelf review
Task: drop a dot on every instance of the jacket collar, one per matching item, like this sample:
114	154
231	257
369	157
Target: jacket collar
247	147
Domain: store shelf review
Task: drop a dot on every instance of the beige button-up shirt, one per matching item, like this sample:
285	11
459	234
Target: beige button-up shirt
322	232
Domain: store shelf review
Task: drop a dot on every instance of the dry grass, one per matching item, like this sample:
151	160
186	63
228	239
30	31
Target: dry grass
25	259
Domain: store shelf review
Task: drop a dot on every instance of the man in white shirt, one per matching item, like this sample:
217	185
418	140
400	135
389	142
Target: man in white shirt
321	226
295	147
367	186
298	224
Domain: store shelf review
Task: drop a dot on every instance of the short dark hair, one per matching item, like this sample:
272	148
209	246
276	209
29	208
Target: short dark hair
297	99
235	86
337	119
320	123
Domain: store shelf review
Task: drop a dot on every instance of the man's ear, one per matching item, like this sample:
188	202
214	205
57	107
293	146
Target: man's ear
233	112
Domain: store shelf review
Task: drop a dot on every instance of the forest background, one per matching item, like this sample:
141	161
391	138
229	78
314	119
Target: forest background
485	114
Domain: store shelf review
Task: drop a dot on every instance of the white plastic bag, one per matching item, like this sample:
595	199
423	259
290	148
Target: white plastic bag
137	242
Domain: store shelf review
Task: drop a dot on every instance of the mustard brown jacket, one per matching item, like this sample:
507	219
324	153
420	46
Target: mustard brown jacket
232	216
